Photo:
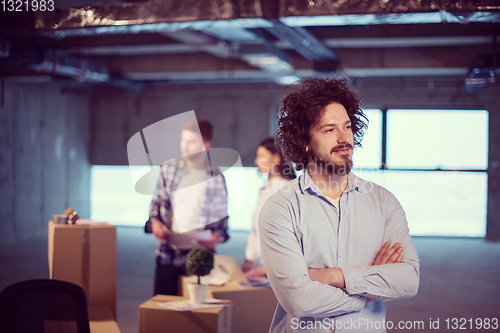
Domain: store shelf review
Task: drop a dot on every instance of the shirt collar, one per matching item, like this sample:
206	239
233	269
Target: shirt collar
306	183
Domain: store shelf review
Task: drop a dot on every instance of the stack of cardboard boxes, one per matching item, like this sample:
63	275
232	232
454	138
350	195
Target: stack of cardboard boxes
253	307
85	254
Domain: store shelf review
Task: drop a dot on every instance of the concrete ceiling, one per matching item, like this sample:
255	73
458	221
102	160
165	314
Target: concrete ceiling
255	49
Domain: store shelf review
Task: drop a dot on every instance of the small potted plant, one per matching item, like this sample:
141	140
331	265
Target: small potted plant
199	262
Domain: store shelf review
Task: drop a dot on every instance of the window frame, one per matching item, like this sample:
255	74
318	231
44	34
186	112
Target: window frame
385	111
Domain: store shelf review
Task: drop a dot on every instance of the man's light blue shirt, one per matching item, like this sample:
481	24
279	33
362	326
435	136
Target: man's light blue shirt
301	229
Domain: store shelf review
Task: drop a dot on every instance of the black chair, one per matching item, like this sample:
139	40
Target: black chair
43	306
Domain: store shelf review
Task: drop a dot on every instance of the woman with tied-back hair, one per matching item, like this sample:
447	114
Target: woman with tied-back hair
280	172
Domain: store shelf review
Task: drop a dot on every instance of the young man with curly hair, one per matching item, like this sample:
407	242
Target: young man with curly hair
335	247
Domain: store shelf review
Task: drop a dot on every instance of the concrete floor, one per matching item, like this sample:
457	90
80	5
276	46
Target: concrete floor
460	277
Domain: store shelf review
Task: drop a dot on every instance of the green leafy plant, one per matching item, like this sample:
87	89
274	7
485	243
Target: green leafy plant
199	262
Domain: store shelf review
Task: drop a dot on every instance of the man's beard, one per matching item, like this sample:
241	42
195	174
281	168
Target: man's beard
331	167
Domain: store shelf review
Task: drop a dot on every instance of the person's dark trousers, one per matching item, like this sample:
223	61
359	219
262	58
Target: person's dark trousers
167	279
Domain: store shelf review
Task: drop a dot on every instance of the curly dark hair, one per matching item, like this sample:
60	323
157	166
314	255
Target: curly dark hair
303	107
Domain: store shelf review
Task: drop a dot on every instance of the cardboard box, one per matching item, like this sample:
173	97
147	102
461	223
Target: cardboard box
154	318
253	307
85	254
101	320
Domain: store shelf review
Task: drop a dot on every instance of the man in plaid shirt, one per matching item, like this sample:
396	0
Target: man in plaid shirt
190	187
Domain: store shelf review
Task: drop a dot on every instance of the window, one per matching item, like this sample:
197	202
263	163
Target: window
114	200
432	139
444	203
436	167
369	156
241	218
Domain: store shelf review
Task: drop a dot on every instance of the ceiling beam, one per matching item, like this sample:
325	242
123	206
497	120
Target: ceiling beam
58	63
307	45
264	56
253	56
438	41
199	41
261	76
130	50
337	43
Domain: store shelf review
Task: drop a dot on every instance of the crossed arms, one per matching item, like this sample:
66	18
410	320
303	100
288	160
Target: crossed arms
334	276
393	273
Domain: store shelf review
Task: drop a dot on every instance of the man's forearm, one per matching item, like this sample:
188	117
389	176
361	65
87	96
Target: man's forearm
384	283
332	276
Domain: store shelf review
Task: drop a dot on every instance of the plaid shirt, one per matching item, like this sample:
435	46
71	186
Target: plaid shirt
162	210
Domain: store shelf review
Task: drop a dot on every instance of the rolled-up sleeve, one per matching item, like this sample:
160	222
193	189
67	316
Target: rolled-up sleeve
287	270
390	281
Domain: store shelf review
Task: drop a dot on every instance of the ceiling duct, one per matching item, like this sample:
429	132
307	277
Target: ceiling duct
337	13
171	15
81	70
232	23
154	16
305	43
55	63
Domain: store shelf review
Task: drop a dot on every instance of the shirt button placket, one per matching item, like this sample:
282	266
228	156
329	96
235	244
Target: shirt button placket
340	242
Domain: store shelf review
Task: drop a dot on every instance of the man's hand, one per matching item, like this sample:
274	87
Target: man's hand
388	255
247	265
332	276
159	229
212	242
257	272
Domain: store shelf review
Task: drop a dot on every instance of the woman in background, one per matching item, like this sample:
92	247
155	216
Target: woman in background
269	160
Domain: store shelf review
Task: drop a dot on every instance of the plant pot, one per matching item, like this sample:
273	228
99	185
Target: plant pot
197	292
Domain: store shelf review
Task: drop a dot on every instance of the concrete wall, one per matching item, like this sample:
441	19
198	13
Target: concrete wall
242	117
44	164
